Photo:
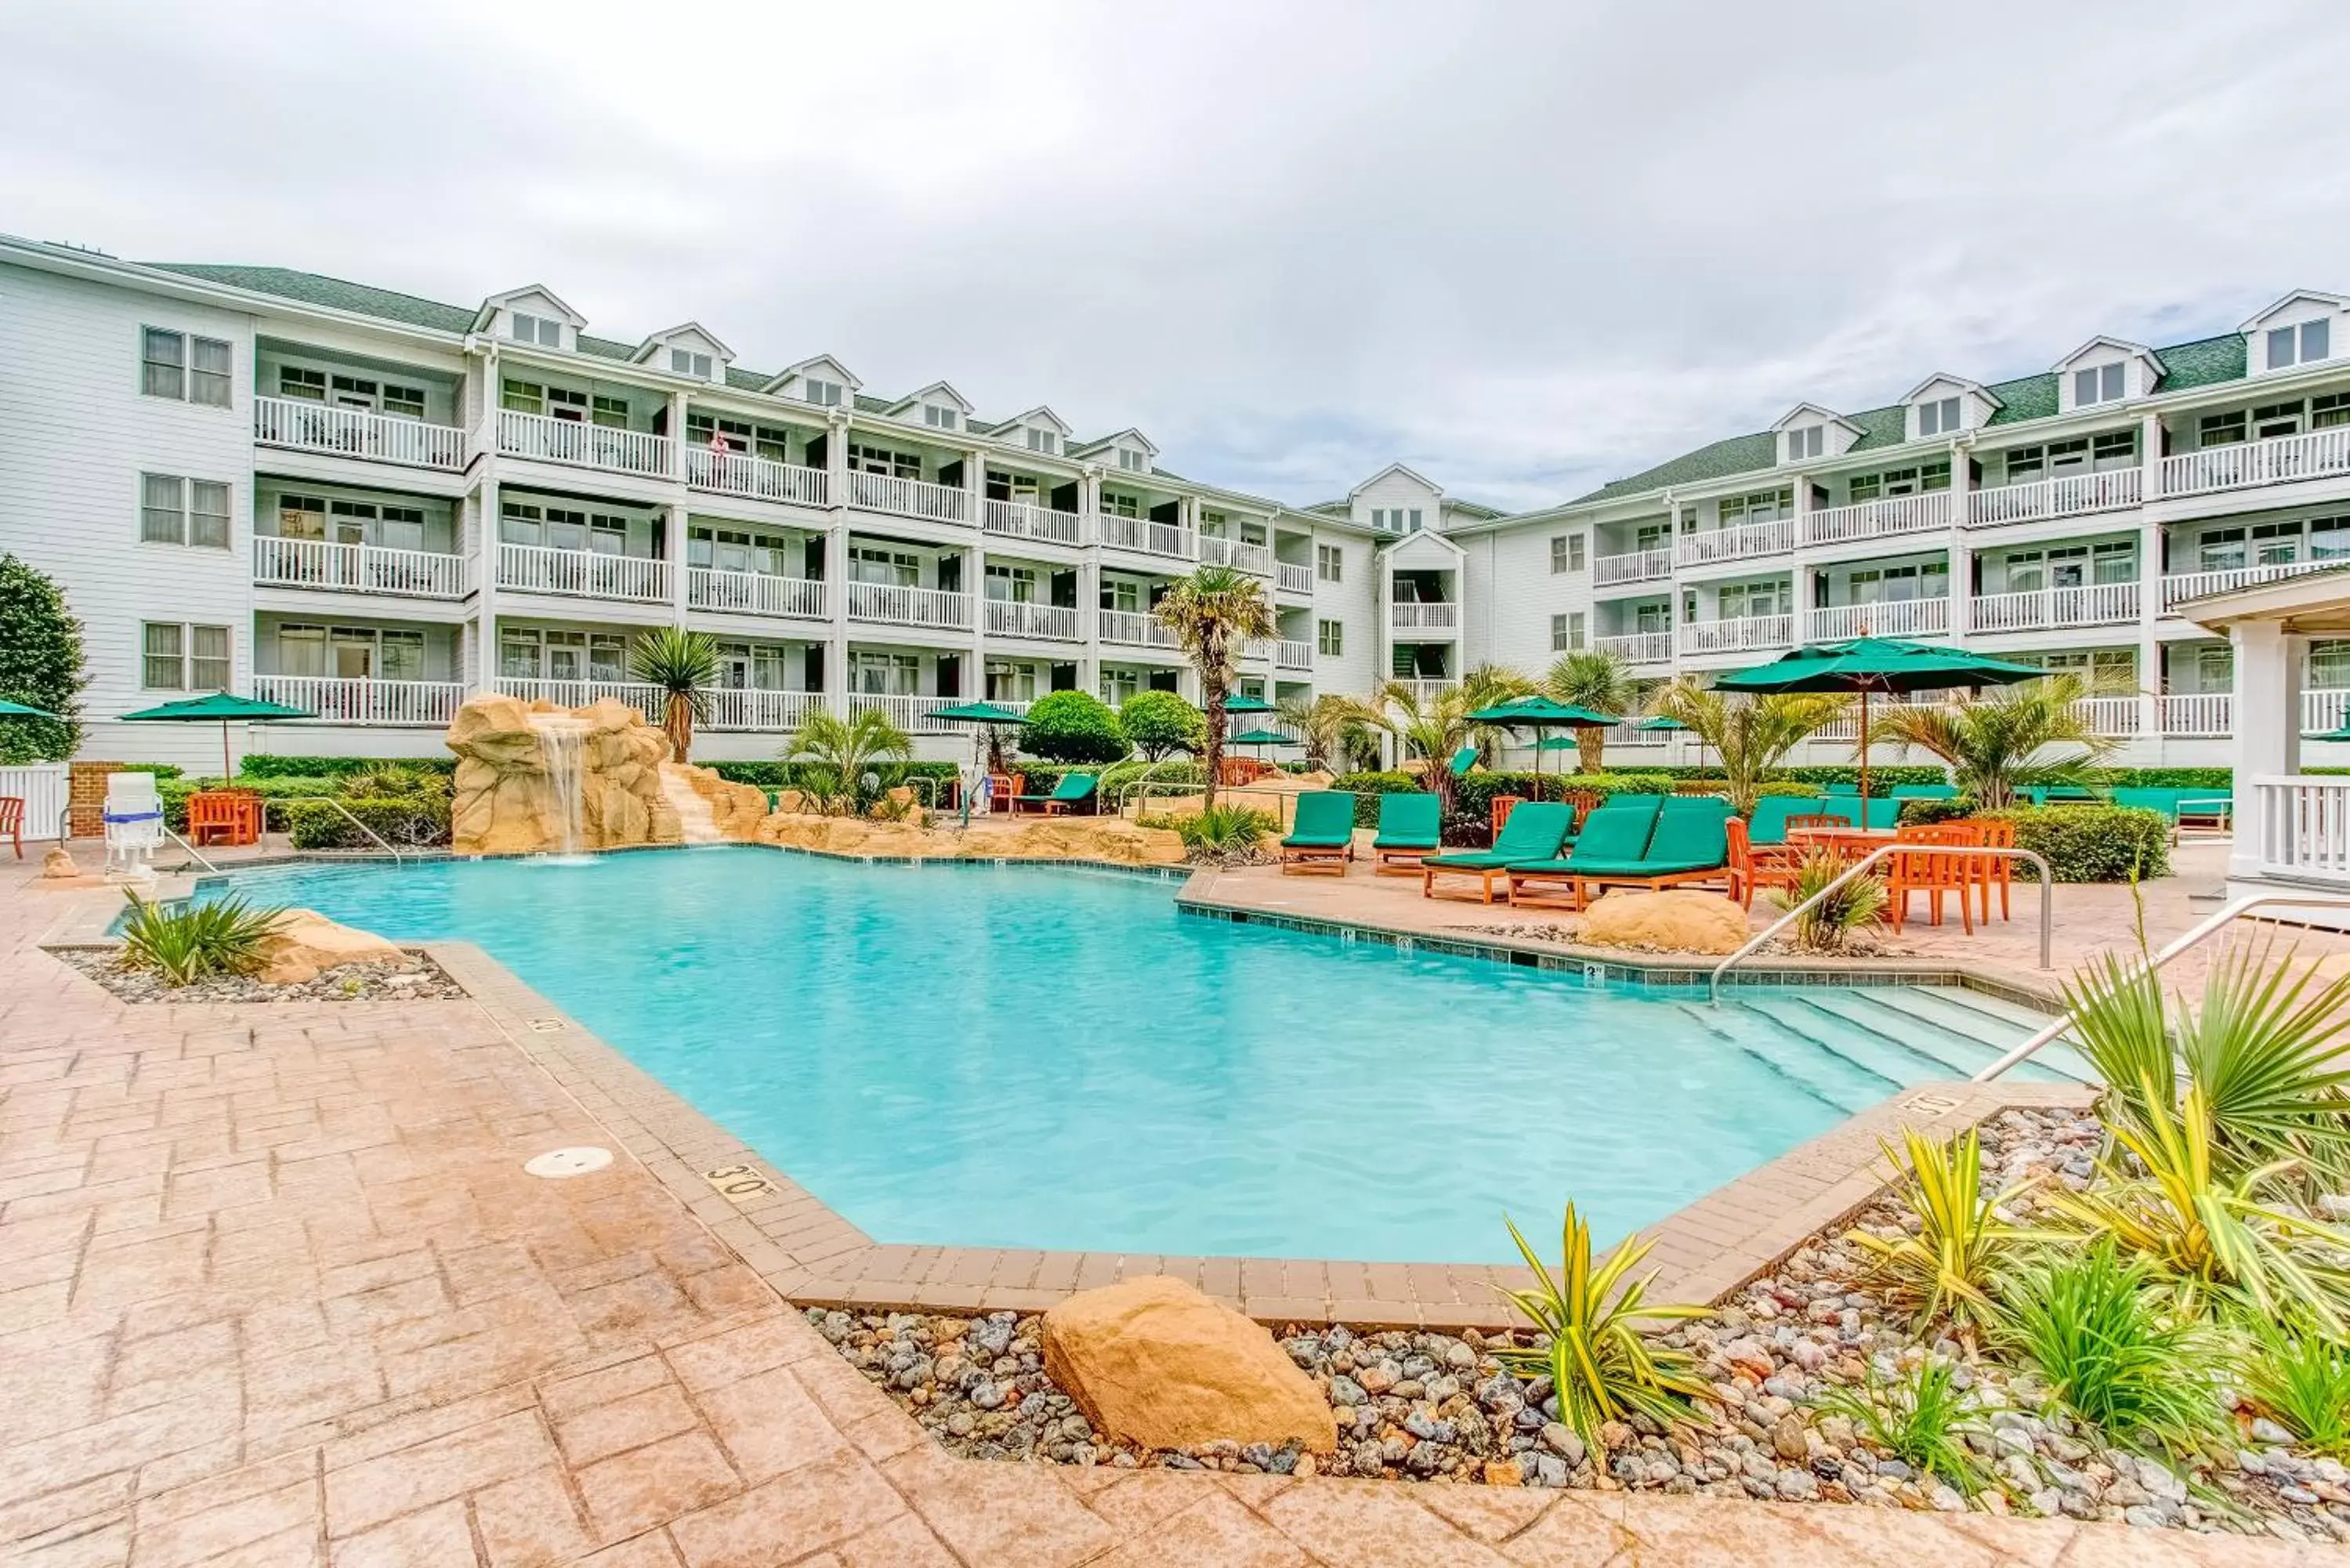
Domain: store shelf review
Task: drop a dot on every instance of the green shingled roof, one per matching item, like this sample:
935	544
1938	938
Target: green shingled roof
333	293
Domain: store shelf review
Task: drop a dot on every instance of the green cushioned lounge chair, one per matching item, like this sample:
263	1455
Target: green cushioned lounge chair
1074	790
1462	761
1845	788
1322	837
1410	828
1769	823
1689	844
1536	831
1882	815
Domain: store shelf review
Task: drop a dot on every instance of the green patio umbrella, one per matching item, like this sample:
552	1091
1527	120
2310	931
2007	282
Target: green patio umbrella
989	720
220	708
1242	702
1260	739
1870	665
18	710
1539	713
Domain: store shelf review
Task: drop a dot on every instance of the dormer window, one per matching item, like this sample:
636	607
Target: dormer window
1044	441
2098	384
543	330
1133	462
2301	345
1939	417
823	394
937	418
1809	441
685	362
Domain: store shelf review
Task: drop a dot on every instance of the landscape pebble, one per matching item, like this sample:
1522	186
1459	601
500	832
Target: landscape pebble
350	982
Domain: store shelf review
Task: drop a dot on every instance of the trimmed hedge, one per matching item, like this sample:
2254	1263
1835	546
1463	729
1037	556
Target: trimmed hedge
315	768
787	775
409	821
174	794
1074	727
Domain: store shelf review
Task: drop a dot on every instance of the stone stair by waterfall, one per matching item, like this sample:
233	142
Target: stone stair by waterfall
694	819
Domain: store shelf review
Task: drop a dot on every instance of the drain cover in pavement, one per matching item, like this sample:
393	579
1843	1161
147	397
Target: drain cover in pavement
562	1162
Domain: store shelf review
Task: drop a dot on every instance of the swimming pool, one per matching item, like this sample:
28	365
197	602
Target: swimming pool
1046	1057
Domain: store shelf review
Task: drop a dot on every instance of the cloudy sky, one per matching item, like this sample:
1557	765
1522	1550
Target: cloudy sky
1525	247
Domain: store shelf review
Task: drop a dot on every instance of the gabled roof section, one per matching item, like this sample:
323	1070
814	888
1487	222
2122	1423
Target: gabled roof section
936	392
1475	512
490	308
822	365
1956	383
1039	418
330	294
1127	437
2107	344
1422	542
1413	475
2298	296
1805	413
670	335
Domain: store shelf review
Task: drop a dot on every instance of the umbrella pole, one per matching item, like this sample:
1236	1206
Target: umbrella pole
1864	757
226	774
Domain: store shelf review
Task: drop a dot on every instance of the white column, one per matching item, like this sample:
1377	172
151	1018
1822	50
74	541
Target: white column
2149	457
2151	678
2267	717
1089	506
1962	580
836	561
486	509
673	545
975	566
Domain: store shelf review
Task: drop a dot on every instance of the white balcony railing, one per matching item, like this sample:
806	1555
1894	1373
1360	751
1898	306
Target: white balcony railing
349	701
357	568
761	478
1420	615
615	451
753	593
1638	648
1237	554
909	497
2324	710
1293	653
1632	567
1737	635
1132	628
1632	732
2277	460
908	607
1737	543
2196	713
355	432
1848	727
2113	717
2068	495
911	714
746	709
2300	827
1888	617
2046	610
1152	538
1882	519
1020	520
1011	618
2180	586
582	573
1292	578
647	701
1427	689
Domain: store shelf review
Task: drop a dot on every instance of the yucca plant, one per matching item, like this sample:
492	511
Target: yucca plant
684	665
2267	1050
1946	1267
1922	1417
1223	833
188	943
1827	926
2300	1378
1588	1315
2124	1031
2110	1347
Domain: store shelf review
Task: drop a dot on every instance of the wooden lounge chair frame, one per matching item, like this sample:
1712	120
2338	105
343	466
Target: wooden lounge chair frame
1551	889
1396	860
1489	877
1304	859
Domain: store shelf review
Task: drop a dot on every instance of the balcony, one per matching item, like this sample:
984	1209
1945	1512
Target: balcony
2300	827
894	605
1292	578
357	568
1422	616
432	703
2324	710
1293	653
2180	586
755	478
647	701
2051	610
582	573
1057	623
1638	648
1885	519
1738	636
908	498
2281	460
1237	554
2116	718
1736	543
910	713
1132	628
2203	713
1151	538
578	446
1633	567
753	593
746	709
354	432
1020	520
1424	690
1888	617
2070	495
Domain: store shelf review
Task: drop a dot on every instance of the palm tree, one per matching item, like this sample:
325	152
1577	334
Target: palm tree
1214	613
1753	735
1324	724
684	664
1432	729
835	753
1995	744
1601	681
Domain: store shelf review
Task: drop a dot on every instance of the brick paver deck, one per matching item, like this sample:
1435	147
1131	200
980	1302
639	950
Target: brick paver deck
274	1289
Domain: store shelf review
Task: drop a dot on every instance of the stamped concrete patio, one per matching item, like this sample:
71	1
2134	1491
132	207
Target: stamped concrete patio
276	1289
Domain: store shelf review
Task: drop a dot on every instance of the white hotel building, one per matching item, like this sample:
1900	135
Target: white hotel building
368	504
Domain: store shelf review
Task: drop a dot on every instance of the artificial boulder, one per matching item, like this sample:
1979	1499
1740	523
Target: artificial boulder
516	765
1676	921
1108	839
1152	1361
304	944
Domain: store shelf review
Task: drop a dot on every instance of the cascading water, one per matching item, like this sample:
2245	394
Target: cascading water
560	737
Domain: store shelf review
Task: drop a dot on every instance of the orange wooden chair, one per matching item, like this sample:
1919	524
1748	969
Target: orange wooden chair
1995	870
220	816
1499	807
1923	871
12	821
1754	866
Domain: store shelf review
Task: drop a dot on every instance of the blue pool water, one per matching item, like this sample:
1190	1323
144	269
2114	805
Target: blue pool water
1040	1057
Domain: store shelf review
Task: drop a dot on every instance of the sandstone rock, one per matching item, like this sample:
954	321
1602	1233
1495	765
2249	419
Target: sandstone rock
305	944
506	798
56	865
735	809
1152	1360
1041	839
1675	921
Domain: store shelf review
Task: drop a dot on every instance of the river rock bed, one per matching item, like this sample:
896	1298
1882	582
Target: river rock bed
426	982
1438	1408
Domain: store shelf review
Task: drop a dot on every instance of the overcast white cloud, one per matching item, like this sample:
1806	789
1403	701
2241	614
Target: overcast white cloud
1523	247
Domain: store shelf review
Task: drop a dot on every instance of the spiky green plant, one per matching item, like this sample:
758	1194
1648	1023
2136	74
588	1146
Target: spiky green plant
836	755
1223	833
1827	926
188	943
1598	680
1431	728
2267	1048
2038	733
1750	735
1922	1418
2112	1351
1213	614
2300	1378
1947	1266
684	665
1588	1315
1327	725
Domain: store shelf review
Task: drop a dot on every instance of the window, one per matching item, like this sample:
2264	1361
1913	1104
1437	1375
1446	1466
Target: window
1121	594
406	402
176	658
301	517
175	510
401	528
822	393
894	567
2332	410
1329	562
1559	559
1013	584
1739	601
1132	460
306	386
2220	429
937	418
612	413
2277	419
685	362
2299	345
1939	417
2098	384
1567	631
885	674
522	397
1380	519
2329	538
1809	441
542	330
1044	441
520	523
2114	449
1113	504
1010	682
1411	521
1329	637
1118	685
1764	506
863	459
2329	666
177	365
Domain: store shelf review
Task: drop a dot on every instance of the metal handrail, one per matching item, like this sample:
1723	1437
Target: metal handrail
397	858
1994	851
1128	788
193	853
2226	914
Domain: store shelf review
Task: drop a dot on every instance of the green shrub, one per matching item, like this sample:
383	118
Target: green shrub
1220	835
1074	727
1367	788
40	666
1796	789
174	793
392	783
2092	842
2301	1381
188	943
1825	927
1927	813
1922	1418
406	821
272	767
771	775
1160	722
2111	1353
